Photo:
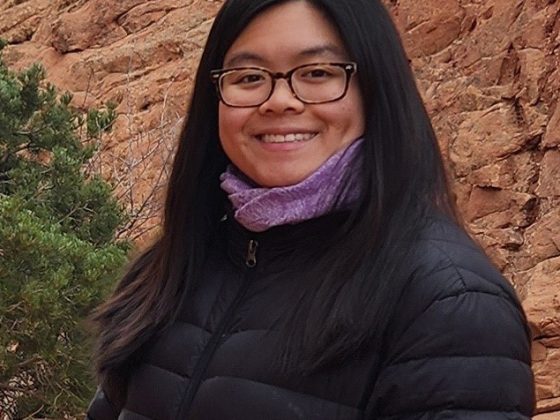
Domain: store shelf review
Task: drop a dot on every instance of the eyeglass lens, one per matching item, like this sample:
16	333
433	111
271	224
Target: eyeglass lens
313	83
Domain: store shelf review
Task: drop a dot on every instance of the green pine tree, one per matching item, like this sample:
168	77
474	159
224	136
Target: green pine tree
58	255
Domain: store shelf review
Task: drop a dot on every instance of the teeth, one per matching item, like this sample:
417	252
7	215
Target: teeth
278	138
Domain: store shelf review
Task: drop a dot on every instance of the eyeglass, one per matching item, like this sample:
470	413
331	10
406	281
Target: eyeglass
316	83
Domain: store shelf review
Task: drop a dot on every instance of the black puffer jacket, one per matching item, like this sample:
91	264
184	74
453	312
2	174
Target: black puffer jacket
458	346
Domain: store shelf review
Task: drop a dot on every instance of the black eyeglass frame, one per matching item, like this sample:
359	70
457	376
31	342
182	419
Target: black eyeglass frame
217	75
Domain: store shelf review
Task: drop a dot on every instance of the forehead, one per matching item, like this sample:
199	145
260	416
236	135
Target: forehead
287	34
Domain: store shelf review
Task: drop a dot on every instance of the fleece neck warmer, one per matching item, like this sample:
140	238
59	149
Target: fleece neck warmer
333	186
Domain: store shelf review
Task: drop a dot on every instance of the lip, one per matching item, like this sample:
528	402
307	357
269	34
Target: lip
288	138
288	145
283	131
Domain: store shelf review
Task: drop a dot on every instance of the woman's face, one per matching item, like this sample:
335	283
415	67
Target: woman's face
261	141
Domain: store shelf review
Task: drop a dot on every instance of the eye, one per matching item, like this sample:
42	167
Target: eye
319	72
245	77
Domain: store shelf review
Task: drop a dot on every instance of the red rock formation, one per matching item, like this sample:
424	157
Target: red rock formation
488	70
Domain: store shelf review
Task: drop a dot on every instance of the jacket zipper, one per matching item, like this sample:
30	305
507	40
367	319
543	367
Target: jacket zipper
251	258
219	334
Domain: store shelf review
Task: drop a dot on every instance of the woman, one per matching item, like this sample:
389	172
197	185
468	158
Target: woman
310	265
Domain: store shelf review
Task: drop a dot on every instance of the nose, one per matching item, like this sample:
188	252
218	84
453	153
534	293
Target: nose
282	99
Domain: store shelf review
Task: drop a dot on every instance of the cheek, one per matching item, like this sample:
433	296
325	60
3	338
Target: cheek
345	117
231	126
347	120
355	111
357	119
226	124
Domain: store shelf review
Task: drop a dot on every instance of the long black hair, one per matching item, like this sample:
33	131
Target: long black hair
352	293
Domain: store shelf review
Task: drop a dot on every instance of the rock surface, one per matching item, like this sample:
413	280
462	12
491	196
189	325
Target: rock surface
489	71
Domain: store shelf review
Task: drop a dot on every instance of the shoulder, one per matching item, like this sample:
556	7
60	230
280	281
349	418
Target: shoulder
457	294
446	262
458	339
101	407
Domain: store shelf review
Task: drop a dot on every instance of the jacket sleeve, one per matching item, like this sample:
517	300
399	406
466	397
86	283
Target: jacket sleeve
459	350
100	408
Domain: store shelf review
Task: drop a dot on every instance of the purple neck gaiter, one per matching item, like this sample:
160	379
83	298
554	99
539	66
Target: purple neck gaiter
333	186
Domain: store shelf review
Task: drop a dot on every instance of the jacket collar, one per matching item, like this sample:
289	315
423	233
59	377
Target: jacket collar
274	245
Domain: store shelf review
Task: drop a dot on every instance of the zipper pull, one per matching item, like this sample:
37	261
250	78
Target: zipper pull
251	259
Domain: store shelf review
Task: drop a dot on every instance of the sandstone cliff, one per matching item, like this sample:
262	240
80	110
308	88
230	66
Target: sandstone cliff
488	69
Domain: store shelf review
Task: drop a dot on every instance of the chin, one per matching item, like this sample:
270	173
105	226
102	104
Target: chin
279	181
280	175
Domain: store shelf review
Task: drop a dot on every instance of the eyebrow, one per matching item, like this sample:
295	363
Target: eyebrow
326	49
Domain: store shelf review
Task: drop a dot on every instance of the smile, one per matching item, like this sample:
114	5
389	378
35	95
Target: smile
288	138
